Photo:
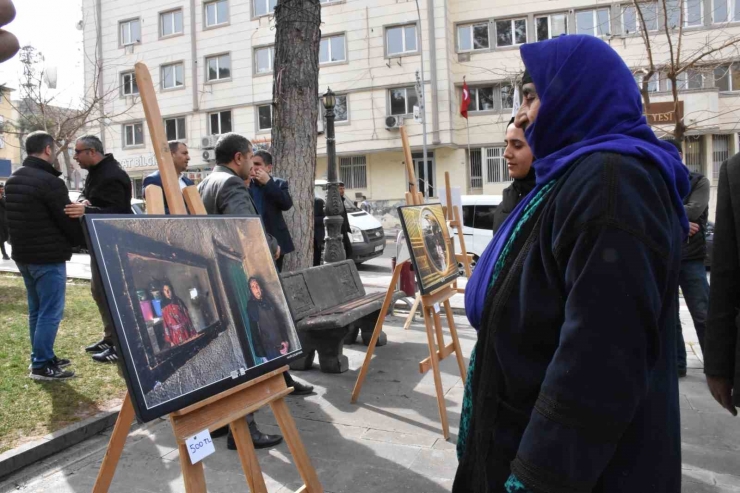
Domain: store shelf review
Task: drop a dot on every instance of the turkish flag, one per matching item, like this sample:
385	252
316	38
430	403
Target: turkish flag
465	101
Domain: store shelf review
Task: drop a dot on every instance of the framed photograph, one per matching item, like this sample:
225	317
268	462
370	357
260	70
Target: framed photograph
429	244
196	302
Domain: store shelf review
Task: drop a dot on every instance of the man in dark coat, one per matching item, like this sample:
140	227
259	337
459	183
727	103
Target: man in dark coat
43	238
346	228
693	276
3	223
271	196
180	158
319	230
519	159
573	380
722	336
107	191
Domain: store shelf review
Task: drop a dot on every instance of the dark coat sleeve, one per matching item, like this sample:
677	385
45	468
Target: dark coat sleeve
112	196
614	261
721	336
234	198
278	193
56	198
150	180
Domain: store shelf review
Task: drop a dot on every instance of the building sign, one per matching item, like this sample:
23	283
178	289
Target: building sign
664	113
142	161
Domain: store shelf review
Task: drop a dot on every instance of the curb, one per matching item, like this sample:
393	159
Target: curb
25	455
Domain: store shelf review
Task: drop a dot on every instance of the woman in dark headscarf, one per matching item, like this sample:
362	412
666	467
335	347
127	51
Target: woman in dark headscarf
573	384
272	340
178	327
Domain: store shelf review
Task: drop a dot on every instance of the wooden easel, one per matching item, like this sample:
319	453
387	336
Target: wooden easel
432	321
229	407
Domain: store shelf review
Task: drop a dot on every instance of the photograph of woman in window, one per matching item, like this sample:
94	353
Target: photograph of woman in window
178	326
269	336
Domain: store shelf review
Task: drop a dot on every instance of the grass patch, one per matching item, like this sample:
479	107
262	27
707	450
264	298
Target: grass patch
29	408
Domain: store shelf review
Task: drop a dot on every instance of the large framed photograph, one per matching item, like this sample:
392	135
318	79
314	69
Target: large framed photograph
429	244
197	305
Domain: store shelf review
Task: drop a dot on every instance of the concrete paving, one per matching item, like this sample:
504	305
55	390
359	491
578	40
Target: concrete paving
390	441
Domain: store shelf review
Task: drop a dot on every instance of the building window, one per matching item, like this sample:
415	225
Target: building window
220	122
403	100
216	13
130	32
720	153
694	154
218	67
631	20
511	32
593	22
128	84
263	59
401	39
341	109
133	135
170	23
727	78
692	15
353	171
551	26
688	80
725	11
172	76
332	49
653	83
264	117
175	128
497	171
264	7
495	97
476	170
472	37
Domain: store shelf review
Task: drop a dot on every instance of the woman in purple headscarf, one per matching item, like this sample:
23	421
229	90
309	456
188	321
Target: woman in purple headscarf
573	384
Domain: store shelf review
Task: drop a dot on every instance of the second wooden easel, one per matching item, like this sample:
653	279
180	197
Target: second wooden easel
430	305
229	407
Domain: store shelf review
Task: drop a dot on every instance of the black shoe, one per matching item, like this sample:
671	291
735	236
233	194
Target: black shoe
681	372
50	372
301	388
99	346
5	257
220	432
61	362
259	439
107	356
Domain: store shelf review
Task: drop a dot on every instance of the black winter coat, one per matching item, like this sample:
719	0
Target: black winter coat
40	231
272	199
108	188
696	204
3	222
513	194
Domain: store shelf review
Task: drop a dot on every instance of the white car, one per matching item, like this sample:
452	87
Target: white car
477	218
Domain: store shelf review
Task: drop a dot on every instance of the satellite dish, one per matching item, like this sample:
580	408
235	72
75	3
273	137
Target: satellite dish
50	77
80	25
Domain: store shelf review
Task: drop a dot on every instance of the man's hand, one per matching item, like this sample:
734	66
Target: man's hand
261	176
721	389
75	210
277	254
693	229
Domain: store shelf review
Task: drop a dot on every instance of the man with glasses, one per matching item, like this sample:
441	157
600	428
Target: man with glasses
107	191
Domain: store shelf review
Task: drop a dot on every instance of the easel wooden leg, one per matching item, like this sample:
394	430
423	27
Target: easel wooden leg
438	330
248	456
412	312
428	321
115	446
456	342
376	333
192	474
297	450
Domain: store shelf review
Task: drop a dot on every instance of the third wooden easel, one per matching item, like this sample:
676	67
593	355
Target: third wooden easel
430	305
229	407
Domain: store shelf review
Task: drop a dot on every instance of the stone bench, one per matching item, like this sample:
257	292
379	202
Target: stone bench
329	307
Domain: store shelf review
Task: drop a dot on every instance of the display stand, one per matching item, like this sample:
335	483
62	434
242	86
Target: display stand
430	304
229	407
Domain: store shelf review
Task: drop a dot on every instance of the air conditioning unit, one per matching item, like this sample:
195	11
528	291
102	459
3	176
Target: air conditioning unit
392	122
209	155
209	141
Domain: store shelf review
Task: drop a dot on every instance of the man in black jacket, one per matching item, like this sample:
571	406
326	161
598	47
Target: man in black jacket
722	337
693	275
42	239
519	159
3	223
107	191
271	196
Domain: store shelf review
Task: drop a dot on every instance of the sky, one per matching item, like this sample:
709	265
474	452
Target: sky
50	27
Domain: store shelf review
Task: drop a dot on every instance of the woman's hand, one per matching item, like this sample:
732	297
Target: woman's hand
284	347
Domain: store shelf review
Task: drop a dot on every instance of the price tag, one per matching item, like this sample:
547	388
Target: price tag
437	309
200	446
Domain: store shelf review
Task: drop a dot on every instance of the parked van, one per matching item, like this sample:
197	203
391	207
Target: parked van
366	232
477	218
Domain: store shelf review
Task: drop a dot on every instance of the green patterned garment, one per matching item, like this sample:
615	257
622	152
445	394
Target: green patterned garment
467	407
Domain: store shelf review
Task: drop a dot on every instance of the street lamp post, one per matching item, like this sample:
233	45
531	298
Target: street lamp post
333	247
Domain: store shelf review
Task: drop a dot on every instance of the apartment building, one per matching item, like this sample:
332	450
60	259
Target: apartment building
212	65
10	149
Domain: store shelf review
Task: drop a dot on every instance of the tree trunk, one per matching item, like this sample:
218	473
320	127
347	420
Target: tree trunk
295	95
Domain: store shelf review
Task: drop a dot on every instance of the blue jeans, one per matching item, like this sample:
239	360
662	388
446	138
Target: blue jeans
45	285
695	288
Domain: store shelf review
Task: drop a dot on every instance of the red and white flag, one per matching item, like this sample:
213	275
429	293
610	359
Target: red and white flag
465	100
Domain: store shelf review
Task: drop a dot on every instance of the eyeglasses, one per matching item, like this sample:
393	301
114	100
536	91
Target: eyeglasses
77	151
